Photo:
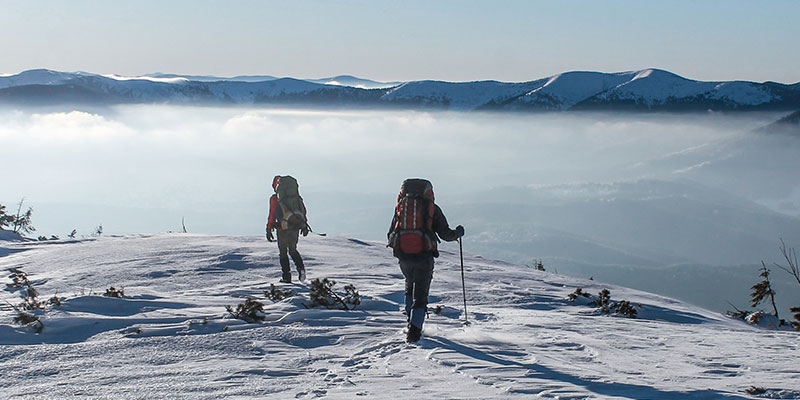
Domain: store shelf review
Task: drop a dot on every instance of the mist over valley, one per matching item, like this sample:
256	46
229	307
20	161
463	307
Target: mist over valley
652	201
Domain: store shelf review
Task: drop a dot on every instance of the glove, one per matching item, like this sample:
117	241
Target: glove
270	238
460	231
304	230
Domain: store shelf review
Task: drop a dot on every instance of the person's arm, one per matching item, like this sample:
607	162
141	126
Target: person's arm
441	227
391	226
273	206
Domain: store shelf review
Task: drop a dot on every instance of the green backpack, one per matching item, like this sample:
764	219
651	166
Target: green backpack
293	214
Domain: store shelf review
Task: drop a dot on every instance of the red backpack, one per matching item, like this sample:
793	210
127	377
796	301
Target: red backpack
412	226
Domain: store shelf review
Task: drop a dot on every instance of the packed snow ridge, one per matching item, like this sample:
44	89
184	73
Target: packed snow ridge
646	90
170	336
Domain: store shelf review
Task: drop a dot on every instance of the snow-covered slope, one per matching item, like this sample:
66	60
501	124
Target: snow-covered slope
563	91
170	336
37	77
789	124
9	236
458	96
652	88
647	90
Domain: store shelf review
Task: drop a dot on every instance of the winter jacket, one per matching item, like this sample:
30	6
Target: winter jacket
440	228
275	214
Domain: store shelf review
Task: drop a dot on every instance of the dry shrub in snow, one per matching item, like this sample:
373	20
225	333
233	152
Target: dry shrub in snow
322	294
55	301
602	300
796	324
30	296
351	295
114	292
28	319
30	300
739	314
603	303
19	279
276	294
755	390
624	307
577	294
251	311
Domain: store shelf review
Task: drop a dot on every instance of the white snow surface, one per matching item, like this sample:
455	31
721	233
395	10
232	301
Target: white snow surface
252	91
9	236
563	91
176	80
655	86
459	96
170	336
36	77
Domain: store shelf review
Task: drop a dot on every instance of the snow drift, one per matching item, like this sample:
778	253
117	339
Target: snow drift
170	336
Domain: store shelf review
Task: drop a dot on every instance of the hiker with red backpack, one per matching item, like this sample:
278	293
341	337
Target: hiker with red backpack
416	228
287	216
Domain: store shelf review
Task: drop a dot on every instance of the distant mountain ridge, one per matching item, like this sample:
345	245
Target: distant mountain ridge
645	90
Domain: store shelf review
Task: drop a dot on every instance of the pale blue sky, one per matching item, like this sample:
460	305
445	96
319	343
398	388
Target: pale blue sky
404	40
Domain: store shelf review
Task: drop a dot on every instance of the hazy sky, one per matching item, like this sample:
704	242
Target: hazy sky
407	40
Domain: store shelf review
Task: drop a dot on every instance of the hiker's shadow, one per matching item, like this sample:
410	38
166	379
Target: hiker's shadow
538	371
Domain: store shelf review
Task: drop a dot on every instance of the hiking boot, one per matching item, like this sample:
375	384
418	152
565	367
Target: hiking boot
414	333
286	279
302	275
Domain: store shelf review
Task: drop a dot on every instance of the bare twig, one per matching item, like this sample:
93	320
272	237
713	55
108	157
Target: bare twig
790	255
734	307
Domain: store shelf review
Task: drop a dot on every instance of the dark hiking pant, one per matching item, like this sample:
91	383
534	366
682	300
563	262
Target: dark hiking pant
418	274
287	246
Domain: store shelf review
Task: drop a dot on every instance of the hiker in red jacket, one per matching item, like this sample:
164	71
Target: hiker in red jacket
416	228
287	215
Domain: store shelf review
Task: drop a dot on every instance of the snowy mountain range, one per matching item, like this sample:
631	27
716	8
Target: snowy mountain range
645	90
164	332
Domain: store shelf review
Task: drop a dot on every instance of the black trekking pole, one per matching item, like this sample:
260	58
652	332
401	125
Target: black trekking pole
312	231
463	287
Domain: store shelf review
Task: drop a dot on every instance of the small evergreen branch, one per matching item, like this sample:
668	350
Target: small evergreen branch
27	319
322	294
55	301
739	314
351	295
276	294
22	221
578	292
5	218
605	305
796	325
755	390
603	298
763	289
251	311
19	279
114	292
